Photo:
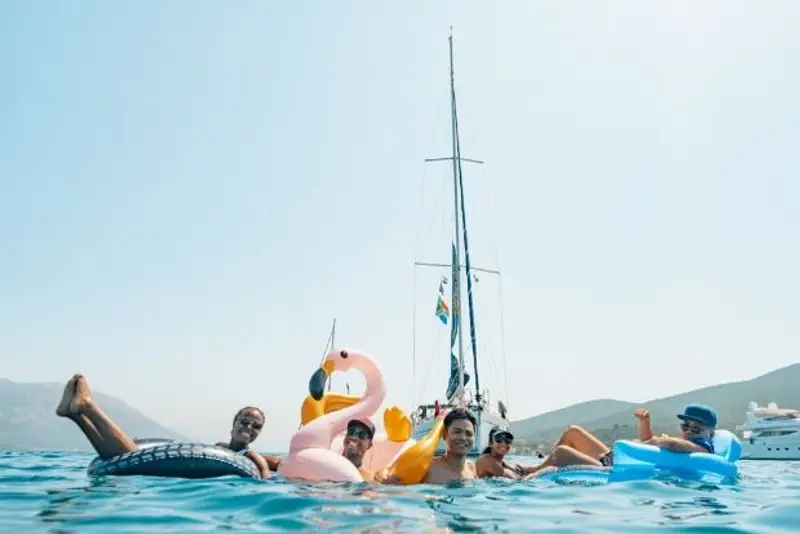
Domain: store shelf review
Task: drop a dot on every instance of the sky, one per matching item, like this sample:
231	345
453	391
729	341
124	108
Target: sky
190	192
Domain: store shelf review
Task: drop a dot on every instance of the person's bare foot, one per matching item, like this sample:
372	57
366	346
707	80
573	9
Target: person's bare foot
62	410
82	397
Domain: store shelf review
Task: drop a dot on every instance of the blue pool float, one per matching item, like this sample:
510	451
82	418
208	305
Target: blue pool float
168	458
638	461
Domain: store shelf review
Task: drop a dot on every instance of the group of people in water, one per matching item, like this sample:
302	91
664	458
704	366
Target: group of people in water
576	445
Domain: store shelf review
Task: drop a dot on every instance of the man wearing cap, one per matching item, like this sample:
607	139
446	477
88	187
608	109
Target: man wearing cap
578	446
492	462
357	441
698	423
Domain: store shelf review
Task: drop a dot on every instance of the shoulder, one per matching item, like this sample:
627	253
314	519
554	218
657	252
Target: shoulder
482	460
705	443
469	469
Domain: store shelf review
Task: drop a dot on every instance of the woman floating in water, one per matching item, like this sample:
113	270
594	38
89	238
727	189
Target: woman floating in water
109	440
492	462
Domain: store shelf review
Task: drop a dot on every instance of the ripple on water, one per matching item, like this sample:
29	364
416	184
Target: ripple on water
50	492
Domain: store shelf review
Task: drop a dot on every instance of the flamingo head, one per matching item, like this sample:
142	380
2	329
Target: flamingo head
340	360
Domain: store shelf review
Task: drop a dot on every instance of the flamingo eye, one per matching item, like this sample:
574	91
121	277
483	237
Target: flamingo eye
344	354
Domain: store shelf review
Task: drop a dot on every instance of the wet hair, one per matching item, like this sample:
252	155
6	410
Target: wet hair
457	415
247	409
487	450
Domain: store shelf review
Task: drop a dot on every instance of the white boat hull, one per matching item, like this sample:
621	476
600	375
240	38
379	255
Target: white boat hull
770	433
771	449
486	420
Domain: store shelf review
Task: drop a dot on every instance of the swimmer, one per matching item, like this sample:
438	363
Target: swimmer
492	462
109	440
698	423
577	446
357	441
459	437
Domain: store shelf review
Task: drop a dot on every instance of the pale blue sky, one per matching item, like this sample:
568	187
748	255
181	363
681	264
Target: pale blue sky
190	191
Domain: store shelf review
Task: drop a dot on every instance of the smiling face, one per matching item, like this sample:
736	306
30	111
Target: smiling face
357	442
501	443
460	437
247	426
694	429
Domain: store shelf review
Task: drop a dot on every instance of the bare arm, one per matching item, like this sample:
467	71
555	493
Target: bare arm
645	430
485	467
272	461
675	444
260	462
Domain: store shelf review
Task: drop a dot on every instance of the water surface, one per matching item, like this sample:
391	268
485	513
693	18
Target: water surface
50	492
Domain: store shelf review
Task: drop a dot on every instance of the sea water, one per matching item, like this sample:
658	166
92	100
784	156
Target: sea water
50	492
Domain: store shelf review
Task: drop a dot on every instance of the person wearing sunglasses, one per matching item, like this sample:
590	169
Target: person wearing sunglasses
357	441
579	447
698	423
492	462
108	439
247	425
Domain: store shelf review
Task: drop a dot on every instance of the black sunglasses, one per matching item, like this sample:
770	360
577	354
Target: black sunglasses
248	422
359	432
694	429
503	438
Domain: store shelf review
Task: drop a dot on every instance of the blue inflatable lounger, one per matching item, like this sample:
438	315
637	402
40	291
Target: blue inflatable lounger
638	461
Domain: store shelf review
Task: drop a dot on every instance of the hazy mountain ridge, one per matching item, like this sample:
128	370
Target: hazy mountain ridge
730	400
28	419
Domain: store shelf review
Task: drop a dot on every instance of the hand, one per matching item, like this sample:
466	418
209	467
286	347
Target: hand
382	477
642	414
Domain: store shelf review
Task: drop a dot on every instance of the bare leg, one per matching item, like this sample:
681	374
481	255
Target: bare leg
579	439
562	456
91	434
107	438
575	447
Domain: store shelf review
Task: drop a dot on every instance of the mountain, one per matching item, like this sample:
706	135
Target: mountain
28	419
729	400
577	414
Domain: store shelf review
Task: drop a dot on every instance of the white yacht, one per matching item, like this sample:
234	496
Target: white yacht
770	433
459	390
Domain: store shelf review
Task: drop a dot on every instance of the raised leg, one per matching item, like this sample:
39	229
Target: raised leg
77	404
562	456
581	440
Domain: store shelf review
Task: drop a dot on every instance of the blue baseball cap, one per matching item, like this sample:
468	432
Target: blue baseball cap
700	413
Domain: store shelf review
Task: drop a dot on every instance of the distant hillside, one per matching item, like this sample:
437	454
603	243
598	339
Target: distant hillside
577	414
729	400
28	419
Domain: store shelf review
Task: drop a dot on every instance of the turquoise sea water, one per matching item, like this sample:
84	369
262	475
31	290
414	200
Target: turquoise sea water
50	492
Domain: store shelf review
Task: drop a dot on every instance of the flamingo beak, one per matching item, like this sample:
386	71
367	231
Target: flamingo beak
316	386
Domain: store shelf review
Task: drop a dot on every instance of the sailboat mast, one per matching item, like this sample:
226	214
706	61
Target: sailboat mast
467	265
457	255
332	344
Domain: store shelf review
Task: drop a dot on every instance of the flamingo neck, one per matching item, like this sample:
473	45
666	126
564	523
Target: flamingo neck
320	432
373	397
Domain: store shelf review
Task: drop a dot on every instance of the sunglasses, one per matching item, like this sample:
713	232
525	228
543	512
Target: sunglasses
504	438
359	432
248	422
694	429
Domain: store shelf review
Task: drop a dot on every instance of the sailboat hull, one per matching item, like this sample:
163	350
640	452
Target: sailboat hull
486	420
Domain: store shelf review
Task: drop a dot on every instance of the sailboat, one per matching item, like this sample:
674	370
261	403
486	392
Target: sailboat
457	392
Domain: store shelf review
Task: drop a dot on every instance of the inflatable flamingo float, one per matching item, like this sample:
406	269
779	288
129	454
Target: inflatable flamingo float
310	456
385	446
